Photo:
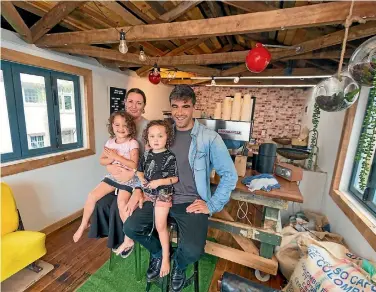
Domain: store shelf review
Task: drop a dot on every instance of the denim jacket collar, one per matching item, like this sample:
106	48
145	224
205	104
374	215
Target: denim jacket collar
196	125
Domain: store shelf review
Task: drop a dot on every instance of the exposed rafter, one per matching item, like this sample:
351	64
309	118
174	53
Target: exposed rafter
319	14
355	32
13	17
41	8
251	6
320	55
178	11
53	17
178	51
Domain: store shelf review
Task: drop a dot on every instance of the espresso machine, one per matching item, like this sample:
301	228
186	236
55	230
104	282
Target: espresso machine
235	134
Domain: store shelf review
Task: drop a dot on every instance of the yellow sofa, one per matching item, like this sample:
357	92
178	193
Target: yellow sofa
19	248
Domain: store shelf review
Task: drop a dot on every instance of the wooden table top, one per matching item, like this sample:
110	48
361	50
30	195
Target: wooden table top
289	191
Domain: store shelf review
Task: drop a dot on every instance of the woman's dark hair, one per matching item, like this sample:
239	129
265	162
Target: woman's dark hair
168	128
136	90
131	126
183	92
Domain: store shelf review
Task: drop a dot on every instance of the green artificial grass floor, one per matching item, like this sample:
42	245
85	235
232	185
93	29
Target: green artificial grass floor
123	276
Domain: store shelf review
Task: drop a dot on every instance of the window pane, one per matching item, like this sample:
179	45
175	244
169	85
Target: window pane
6	139
35	107
67	111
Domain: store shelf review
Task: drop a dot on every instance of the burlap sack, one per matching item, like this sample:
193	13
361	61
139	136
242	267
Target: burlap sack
328	266
320	220
289	253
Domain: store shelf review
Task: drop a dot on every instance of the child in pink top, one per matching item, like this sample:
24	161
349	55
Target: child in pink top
122	148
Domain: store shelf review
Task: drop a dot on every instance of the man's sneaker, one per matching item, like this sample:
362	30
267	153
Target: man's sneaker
154	268
177	279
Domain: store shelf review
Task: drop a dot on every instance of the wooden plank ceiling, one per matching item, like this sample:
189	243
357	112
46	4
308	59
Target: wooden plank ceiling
196	38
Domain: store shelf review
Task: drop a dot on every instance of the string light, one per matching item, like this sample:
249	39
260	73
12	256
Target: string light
213	82
123	48
236	79
142	56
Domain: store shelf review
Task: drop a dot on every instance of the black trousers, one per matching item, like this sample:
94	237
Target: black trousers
105	221
193	229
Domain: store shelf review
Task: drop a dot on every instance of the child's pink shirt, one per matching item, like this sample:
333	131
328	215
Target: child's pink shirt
124	149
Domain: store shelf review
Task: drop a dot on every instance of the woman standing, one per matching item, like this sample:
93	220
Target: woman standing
105	220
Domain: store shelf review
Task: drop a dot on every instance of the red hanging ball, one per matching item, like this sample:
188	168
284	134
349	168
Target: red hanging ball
258	59
154	77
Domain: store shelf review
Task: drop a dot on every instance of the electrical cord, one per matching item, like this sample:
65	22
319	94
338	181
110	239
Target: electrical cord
243	214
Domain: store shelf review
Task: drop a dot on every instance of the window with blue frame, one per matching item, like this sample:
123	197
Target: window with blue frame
363	179
40	112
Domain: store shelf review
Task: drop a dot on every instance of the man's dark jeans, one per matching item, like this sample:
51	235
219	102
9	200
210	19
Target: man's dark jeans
193	229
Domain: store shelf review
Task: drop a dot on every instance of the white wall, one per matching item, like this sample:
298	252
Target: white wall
330	129
49	194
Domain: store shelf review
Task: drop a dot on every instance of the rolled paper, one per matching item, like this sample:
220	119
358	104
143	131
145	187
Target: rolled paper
246	108
226	108
218	111
236	107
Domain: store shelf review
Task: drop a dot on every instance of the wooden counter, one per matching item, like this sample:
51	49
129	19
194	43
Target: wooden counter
268	235
289	191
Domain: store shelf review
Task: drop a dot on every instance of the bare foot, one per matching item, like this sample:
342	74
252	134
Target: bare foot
127	244
165	268
78	234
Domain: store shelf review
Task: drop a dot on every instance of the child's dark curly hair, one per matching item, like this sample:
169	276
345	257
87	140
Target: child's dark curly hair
168	128
131	126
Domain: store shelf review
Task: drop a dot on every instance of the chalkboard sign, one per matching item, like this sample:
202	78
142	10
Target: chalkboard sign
117	96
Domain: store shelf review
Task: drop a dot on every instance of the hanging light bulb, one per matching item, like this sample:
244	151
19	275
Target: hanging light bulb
123	48
142	56
236	79
213	82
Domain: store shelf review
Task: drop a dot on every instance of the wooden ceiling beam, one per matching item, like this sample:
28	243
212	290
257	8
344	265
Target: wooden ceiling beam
10	13
179	50
119	10
53	17
130	6
355	32
335	38
178	11
40	9
320	55
282	72
132	20
251	6
216	12
316	15
224	49
200	70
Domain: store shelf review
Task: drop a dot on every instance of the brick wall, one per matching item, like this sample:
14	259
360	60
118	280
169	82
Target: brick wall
278	111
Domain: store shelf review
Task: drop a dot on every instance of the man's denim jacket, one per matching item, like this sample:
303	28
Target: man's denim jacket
208	151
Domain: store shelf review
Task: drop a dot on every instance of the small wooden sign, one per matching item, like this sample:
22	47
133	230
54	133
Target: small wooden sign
117	96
